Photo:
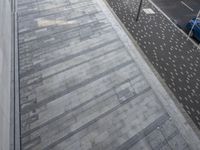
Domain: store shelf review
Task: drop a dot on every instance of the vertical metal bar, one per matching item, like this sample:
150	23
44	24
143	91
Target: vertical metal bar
12	108
17	117
139	10
15	120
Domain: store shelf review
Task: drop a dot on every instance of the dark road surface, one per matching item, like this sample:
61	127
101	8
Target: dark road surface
176	59
180	11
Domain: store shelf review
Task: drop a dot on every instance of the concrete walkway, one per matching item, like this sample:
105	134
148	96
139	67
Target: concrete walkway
84	86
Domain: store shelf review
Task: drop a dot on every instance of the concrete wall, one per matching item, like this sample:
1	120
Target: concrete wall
5	73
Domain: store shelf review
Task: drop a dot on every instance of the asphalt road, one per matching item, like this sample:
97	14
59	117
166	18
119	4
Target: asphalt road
175	58
180	11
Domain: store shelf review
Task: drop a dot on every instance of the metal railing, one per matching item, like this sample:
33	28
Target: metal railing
16	139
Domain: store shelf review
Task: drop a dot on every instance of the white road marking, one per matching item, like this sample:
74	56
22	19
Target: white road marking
148	11
187	6
197	45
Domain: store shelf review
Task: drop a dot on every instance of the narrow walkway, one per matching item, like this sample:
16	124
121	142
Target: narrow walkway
80	89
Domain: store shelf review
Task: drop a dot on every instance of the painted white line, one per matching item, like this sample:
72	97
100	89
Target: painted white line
198	46
148	11
187	6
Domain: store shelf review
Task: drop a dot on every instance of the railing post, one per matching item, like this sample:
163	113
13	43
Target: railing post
139	10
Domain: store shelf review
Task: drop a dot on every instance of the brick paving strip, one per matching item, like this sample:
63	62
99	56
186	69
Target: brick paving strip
82	88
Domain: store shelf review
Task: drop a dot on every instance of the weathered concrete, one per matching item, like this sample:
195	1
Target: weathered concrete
5	73
81	87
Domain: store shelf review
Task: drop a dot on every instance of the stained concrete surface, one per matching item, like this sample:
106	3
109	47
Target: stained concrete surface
80	88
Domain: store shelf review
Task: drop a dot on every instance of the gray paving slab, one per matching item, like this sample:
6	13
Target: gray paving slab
80	88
